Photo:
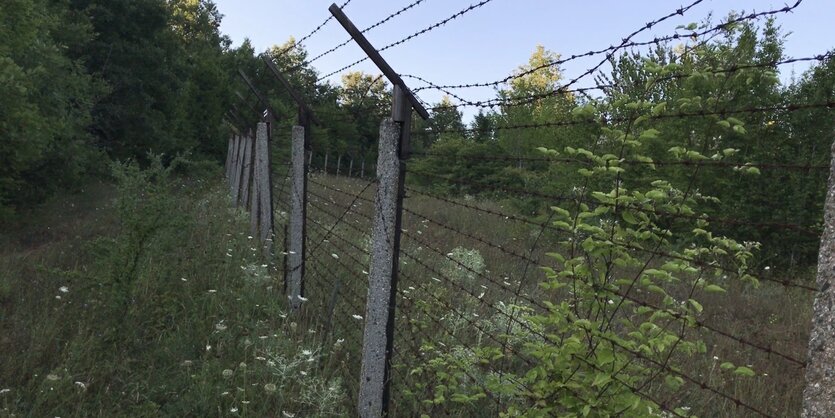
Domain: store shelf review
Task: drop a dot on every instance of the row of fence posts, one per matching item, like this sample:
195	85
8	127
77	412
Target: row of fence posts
248	173
250	184
338	169
247	170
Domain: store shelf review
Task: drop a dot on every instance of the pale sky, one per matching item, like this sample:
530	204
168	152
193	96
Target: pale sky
490	42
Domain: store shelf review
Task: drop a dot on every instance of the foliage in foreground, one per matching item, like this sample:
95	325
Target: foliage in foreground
614	319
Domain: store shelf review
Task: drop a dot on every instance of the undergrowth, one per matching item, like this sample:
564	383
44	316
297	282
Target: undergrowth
170	311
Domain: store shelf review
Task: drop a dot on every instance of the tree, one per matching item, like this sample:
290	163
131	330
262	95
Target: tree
367	99
483	127
45	100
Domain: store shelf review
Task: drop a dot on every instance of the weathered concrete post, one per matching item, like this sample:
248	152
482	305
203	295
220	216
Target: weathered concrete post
819	395
362	169
247	173
351	167
228	166
239	167
394	149
298	209
263	210
378	337
233	161
325	169
338	164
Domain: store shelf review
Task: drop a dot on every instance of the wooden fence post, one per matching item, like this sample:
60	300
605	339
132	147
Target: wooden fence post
819	394
298	208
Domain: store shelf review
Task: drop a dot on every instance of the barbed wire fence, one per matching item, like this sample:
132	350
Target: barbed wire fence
431	284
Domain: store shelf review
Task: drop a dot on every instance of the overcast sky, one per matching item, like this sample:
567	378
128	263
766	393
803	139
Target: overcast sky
491	41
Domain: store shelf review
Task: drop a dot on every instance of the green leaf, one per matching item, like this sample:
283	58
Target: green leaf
744	371
696	305
712	288
601	379
629	217
649	134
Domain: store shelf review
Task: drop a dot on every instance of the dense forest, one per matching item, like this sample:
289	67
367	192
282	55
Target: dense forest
133	102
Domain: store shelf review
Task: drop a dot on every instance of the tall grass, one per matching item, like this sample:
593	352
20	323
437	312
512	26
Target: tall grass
155	303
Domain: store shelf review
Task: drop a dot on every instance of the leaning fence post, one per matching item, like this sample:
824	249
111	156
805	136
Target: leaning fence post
819	394
298	209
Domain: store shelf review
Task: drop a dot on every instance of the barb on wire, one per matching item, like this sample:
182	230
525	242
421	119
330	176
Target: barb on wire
625	44
296	44
590	201
412	36
702	113
701	163
347	41
564	90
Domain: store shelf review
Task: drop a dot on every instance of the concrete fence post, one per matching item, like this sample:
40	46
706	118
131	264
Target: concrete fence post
393	150
233	160
262	204
338	164
362	169
239	167
296	229
384	262
378	336
819	394
228	166
246	173
325	169
350	167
